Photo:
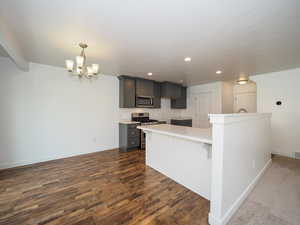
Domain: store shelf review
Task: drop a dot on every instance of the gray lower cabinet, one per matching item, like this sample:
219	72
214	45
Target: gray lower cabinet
170	90
156	99
179	103
126	92
162	122
129	137
182	122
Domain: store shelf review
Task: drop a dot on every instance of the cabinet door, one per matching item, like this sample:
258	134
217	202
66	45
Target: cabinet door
176	91
171	90
126	92
179	103
157	96
144	87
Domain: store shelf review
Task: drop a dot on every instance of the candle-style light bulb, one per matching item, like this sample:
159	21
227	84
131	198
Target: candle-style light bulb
78	70
69	65
89	71
79	61
95	68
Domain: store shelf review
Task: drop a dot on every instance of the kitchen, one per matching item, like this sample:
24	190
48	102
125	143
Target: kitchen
147	95
181	151
174	103
149	112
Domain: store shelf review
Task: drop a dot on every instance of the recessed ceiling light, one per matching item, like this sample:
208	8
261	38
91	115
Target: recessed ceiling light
218	72
150	74
187	59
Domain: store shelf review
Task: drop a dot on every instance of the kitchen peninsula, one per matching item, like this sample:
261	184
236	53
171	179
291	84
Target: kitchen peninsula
181	153
217	164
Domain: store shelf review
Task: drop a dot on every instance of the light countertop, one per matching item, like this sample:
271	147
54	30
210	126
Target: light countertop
203	135
129	122
181	118
240	115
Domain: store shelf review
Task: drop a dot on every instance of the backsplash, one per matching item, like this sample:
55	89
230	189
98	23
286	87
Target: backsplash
164	113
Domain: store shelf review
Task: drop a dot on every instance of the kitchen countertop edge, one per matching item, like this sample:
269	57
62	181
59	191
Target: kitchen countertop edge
153	128
129	122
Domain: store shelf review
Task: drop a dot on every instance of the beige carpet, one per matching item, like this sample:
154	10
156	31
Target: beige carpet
276	198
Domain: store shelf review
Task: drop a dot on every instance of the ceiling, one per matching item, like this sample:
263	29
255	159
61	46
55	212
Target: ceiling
135	37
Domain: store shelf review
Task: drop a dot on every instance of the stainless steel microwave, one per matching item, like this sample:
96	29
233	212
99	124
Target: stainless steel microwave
144	102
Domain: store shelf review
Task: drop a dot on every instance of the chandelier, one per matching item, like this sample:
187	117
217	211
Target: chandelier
81	69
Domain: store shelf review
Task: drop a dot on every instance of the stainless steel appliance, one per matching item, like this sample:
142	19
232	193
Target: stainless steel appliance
144	102
144	120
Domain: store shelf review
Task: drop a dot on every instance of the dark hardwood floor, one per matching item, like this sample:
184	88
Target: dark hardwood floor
101	188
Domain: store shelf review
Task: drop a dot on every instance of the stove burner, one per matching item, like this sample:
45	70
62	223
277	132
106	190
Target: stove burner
142	118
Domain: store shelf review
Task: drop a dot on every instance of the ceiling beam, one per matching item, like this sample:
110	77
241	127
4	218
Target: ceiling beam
9	43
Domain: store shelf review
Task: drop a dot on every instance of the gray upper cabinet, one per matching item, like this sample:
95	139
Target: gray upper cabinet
126	92
179	103
170	90
156	99
144	87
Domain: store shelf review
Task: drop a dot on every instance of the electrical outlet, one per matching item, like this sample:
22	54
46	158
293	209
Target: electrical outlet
94	140
253	164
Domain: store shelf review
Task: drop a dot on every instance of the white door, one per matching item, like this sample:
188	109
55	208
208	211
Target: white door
202	105
245	101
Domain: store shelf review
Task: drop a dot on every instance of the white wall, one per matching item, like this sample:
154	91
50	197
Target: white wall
241	151
227	97
47	114
281	86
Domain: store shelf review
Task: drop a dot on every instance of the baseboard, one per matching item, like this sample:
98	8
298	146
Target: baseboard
283	155
26	162
235	206
213	220
45	159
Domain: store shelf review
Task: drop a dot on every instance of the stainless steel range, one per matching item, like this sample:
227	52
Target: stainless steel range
144	120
